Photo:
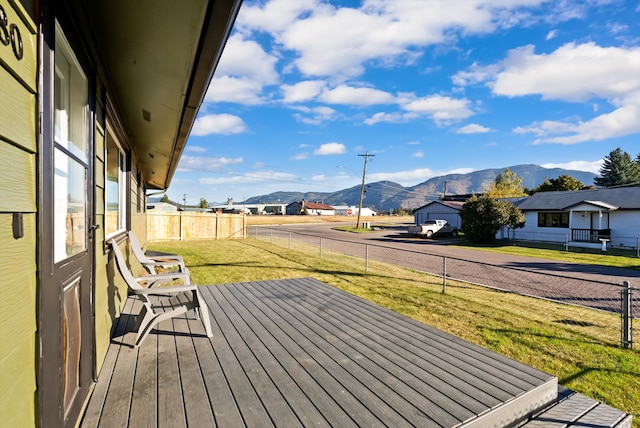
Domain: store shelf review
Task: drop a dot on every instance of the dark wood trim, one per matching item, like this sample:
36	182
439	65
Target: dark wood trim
53	276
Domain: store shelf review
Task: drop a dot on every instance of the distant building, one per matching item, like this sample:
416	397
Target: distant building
439	210
350	210
309	208
161	207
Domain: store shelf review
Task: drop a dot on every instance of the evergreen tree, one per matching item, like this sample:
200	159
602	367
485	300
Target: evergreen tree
203	203
618	169
507	185
165	198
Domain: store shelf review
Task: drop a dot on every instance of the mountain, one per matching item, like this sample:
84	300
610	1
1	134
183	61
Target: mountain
386	195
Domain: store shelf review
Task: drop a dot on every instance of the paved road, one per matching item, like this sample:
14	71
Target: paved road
588	285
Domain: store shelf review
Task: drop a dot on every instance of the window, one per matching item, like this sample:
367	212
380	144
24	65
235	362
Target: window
116	191
71	153
553	219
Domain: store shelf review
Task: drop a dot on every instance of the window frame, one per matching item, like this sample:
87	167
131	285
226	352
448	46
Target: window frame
123	185
547	219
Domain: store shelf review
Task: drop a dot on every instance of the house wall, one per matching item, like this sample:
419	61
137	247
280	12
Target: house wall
624	225
18	154
531	231
625	228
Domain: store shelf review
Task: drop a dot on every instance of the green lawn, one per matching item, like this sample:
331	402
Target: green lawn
579	346
615	257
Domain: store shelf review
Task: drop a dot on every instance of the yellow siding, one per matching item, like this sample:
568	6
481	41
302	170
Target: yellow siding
17	116
25	68
18	187
18	316
18	304
99	175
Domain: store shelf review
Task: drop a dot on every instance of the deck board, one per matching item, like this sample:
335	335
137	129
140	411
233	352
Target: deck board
299	352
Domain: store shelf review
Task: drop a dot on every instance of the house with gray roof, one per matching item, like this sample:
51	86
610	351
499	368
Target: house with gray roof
582	218
439	210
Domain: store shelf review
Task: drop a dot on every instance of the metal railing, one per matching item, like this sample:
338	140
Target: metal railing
619	298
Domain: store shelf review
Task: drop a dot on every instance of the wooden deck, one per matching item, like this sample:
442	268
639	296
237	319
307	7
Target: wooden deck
299	352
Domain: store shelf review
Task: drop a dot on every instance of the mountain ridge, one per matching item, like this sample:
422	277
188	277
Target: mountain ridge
387	195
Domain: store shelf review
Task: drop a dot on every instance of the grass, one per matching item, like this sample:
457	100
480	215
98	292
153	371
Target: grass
579	346
613	257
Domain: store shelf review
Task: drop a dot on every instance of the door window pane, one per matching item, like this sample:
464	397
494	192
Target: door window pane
70	97
71	153
70	184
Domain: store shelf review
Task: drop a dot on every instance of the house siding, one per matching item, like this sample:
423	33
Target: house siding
18	150
437	211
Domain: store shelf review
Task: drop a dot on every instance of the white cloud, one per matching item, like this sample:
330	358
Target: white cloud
300	156
315	115
440	108
234	90
250	177
573	73
302	91
218	124
238	79
196	149
417	155
589	166
242	57
394	117
551	35
338	41
331	149
199	163
473	128
350	95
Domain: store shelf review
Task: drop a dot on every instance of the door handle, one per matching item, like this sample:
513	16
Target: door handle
94	227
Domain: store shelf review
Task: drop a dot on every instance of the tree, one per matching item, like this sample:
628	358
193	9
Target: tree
483	216
203	203
165	198
618	169
507	185
563	182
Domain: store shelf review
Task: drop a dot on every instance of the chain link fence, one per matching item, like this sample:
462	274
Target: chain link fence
620	298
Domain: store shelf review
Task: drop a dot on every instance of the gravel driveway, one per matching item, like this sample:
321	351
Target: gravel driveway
586	285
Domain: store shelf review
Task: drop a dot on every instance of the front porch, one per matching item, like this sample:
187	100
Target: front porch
299	352
590	235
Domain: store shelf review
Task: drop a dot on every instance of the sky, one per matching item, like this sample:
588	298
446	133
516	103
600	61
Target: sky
304	88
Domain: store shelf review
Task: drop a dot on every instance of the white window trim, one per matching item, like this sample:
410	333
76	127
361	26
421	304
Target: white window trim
122	184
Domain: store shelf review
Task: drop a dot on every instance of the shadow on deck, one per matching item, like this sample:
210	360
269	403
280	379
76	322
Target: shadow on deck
299	352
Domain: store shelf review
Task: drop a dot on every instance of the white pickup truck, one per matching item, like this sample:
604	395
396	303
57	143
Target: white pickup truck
433	227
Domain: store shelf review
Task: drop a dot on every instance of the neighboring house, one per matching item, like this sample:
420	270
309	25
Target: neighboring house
98	99
309	208
353	210
161	207
582	217
439	210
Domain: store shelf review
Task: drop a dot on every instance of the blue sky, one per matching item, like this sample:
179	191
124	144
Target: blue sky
429	87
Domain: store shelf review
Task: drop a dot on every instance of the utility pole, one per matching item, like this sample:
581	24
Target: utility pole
184	202
364	173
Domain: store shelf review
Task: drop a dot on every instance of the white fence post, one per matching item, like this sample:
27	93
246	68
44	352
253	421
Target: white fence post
626	336
444	275
366	256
